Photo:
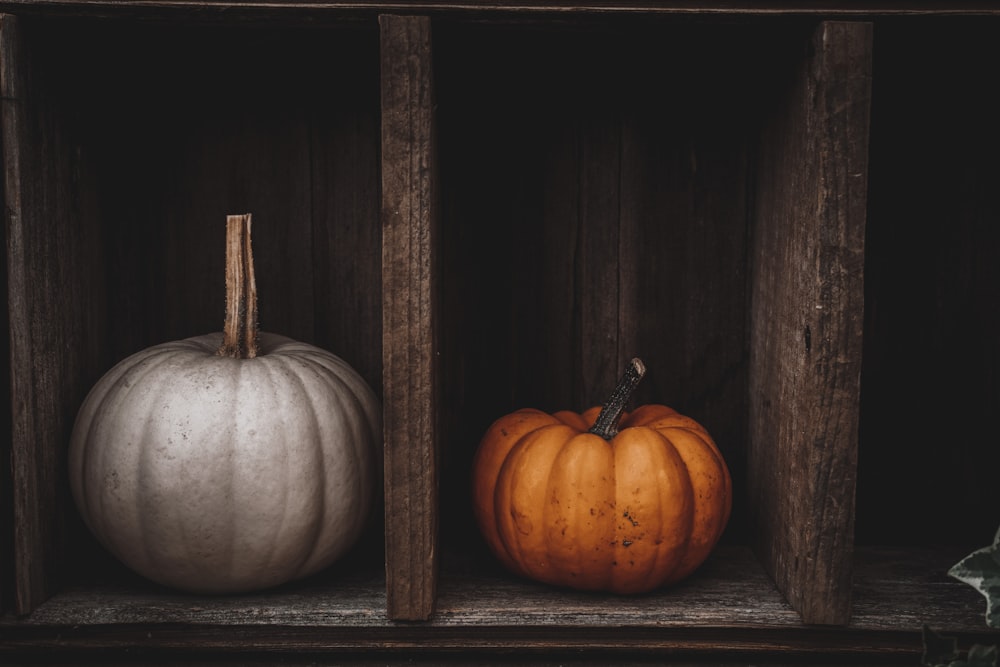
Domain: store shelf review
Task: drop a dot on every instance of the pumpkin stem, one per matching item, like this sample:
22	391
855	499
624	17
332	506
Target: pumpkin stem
606	424
239	333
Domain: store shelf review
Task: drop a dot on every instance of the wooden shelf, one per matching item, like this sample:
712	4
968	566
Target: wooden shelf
312	9
730	607
745	199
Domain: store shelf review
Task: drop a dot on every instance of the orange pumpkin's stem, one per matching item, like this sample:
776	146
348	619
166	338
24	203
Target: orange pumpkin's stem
239	333
606	424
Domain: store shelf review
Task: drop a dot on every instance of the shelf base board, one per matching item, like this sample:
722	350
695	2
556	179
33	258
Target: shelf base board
729	608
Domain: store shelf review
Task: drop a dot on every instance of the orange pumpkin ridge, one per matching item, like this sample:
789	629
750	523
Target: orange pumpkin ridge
501	437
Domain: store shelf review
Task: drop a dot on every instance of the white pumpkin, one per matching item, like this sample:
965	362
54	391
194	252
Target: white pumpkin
217	474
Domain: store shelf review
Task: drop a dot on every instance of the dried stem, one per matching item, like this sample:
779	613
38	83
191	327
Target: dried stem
239	333
606	424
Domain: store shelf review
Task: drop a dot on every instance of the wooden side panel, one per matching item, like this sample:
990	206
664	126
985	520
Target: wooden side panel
6	495
28	246
806	323
410	378
55	308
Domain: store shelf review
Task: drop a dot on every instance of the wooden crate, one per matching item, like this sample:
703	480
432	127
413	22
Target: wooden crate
490	208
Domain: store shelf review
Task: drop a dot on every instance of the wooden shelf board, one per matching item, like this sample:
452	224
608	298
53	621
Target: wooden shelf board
730	607
829	8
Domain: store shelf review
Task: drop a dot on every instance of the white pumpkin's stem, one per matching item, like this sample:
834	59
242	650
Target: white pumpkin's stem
606	424
239	333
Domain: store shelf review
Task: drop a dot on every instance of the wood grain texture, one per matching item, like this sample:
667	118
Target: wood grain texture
30	587
409	316
684	272
807	310
347	234
54	309
306	10
6	481
729	611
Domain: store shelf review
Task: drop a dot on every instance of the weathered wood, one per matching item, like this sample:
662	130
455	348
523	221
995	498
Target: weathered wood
563	262
409	316
899	588
684	250
11	139
30	248
347	235
682	202
806	318
729	608
55	309
309	10
6	483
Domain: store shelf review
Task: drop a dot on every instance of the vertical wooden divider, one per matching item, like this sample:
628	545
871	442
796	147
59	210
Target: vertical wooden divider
806	323
410	316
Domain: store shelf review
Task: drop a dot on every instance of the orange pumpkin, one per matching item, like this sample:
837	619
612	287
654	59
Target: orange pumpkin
604	500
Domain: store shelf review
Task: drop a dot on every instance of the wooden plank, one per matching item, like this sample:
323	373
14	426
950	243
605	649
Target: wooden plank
54	304
33	440
730	608
543	225
347	233
307	10
6	485
806	323
599	358
469	597
409	316
565	260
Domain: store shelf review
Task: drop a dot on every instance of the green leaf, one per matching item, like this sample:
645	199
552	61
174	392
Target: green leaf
981	570
982	656
979	656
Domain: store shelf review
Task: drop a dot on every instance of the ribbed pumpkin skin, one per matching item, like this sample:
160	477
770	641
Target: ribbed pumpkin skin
566	507
218	475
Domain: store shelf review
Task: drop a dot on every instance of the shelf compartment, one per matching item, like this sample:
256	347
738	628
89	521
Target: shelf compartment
692	193
751	178
125	146
415	282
